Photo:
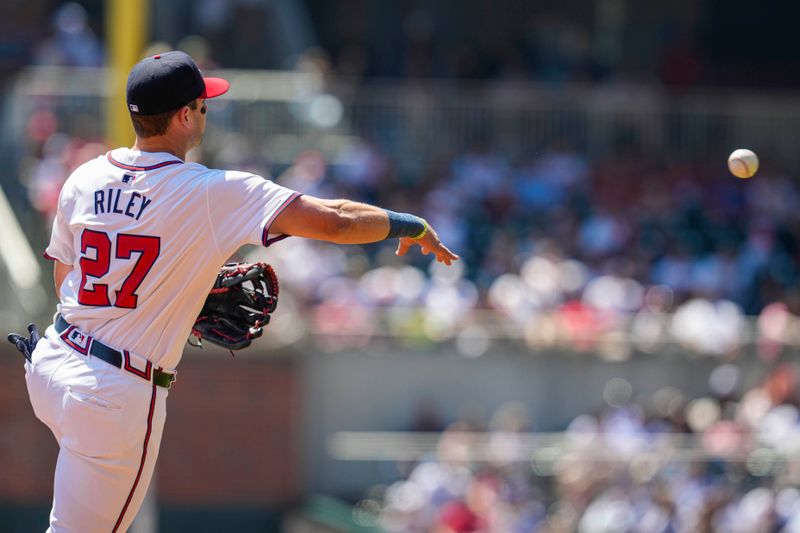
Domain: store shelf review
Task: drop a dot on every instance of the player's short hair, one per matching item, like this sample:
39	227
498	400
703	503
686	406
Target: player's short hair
151	125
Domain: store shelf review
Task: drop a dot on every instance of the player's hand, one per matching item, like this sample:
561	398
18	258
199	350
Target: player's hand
429	243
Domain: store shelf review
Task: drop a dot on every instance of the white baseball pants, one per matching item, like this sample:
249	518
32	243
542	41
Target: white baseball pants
108	424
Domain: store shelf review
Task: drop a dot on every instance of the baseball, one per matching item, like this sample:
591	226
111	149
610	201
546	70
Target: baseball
743	163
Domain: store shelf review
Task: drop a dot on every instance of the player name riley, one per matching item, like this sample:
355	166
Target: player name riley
113	200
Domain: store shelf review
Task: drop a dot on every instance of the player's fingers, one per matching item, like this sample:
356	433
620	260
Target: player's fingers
450	256
402	247
445	252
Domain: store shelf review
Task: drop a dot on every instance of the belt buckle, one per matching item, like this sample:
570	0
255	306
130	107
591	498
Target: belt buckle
173	376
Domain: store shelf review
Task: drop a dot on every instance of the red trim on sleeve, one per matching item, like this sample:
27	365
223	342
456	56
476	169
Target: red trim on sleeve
48	256
279	238
265	240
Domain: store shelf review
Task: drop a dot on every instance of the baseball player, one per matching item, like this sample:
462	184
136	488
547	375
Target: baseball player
129	226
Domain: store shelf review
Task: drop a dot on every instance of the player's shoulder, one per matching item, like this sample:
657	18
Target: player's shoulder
228	174
90	167
233	178
85	174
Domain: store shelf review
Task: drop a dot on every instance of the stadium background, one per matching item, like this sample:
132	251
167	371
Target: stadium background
617	349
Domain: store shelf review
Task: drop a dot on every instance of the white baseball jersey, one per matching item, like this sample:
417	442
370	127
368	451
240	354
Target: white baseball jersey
146	234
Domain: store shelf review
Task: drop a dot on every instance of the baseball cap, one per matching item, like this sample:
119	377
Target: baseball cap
169	81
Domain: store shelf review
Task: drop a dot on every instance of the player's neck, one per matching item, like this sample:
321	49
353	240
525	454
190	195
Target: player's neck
161	143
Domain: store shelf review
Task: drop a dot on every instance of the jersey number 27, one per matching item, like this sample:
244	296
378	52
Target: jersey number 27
145	246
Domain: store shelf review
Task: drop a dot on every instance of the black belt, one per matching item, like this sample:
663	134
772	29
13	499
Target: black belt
87	345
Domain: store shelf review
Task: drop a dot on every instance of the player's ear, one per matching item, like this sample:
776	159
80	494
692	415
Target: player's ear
185	114
182	117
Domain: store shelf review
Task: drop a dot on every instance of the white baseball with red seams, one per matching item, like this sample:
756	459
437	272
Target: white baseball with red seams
146	235
743	163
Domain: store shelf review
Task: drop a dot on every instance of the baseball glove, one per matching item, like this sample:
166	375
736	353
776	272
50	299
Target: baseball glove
238	306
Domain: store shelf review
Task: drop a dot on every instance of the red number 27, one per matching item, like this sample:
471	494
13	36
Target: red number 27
148	249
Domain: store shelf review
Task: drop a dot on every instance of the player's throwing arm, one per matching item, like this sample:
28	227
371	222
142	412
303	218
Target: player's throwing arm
348	222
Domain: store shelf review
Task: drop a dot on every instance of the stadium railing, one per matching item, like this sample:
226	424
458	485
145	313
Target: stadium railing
287	112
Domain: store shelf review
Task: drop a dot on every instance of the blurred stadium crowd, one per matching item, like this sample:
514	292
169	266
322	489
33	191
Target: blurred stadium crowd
658	464
567	247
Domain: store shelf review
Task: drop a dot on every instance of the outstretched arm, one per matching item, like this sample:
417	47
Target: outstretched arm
347	222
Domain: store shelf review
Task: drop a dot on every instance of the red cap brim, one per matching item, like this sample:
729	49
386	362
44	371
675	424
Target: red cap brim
215	87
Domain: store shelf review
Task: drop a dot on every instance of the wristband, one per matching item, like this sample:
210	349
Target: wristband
405	225
423	232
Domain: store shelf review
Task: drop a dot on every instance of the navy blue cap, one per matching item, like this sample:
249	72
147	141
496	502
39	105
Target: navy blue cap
168	81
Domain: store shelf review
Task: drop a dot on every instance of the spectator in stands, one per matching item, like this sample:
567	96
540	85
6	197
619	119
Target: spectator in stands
73	43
